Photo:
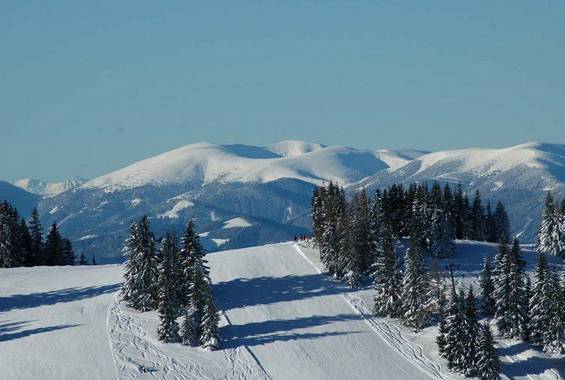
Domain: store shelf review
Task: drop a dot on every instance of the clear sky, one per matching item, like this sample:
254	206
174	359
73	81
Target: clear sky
87	87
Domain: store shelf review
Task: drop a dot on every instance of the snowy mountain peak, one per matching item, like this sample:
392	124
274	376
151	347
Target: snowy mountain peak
293	148
48	189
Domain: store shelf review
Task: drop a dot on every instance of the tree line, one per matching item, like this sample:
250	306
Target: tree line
358	239
22	242
174	279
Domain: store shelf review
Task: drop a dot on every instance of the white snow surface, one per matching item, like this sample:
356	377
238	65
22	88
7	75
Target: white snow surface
281	318
236	223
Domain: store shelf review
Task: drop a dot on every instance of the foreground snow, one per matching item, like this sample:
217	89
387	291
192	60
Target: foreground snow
281	319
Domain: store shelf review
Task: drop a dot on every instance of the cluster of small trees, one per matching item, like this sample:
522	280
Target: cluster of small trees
173	280
22	244
551	236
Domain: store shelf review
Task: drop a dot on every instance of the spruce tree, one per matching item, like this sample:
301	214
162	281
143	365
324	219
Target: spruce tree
82	259
516	314
26	256
387	276
190	246
442	327
487	290
488	364
490	225
361	231
67	253
167	284
7	259
415	287
376	223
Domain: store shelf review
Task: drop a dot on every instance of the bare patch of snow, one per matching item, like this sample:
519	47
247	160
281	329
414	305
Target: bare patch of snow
174	212
236	223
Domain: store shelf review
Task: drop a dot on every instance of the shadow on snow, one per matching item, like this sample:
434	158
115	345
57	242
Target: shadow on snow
13	330
26	301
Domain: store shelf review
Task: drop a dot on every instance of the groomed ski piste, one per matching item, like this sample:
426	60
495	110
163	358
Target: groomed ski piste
282	318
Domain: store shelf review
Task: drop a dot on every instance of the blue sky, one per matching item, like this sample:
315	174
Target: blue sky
88	87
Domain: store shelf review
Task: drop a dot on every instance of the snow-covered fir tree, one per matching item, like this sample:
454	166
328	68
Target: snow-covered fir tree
140	278
53	250
190	248
167	284
388	280
415	287
420	222
488	364
455	335
361	229
551	235
36	232
553	335
540	301
209	338
502	223
487	290
7	258
201	316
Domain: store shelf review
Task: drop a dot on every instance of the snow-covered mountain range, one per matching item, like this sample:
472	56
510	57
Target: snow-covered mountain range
48	189
243	195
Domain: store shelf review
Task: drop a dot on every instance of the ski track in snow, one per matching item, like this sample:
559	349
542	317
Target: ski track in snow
389	333
136	355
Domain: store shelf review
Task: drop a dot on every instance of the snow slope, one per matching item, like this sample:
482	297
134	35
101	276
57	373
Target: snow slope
53	322
281	319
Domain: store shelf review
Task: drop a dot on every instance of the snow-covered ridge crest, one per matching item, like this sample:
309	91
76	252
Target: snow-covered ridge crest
204	163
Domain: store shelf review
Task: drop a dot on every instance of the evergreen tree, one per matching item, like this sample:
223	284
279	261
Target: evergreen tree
54	245
471	334
459	213
443	244
487	290
141	272
540	301
36	232
376	223
550	238
94	259
25	245
190	247
516	314
167	284
502	224
477	219
455	336
387	276
7	259
209	338
442	328
421	217
490	225
488	364
82	259
345	264
361	230
67	253
415	287
553	336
